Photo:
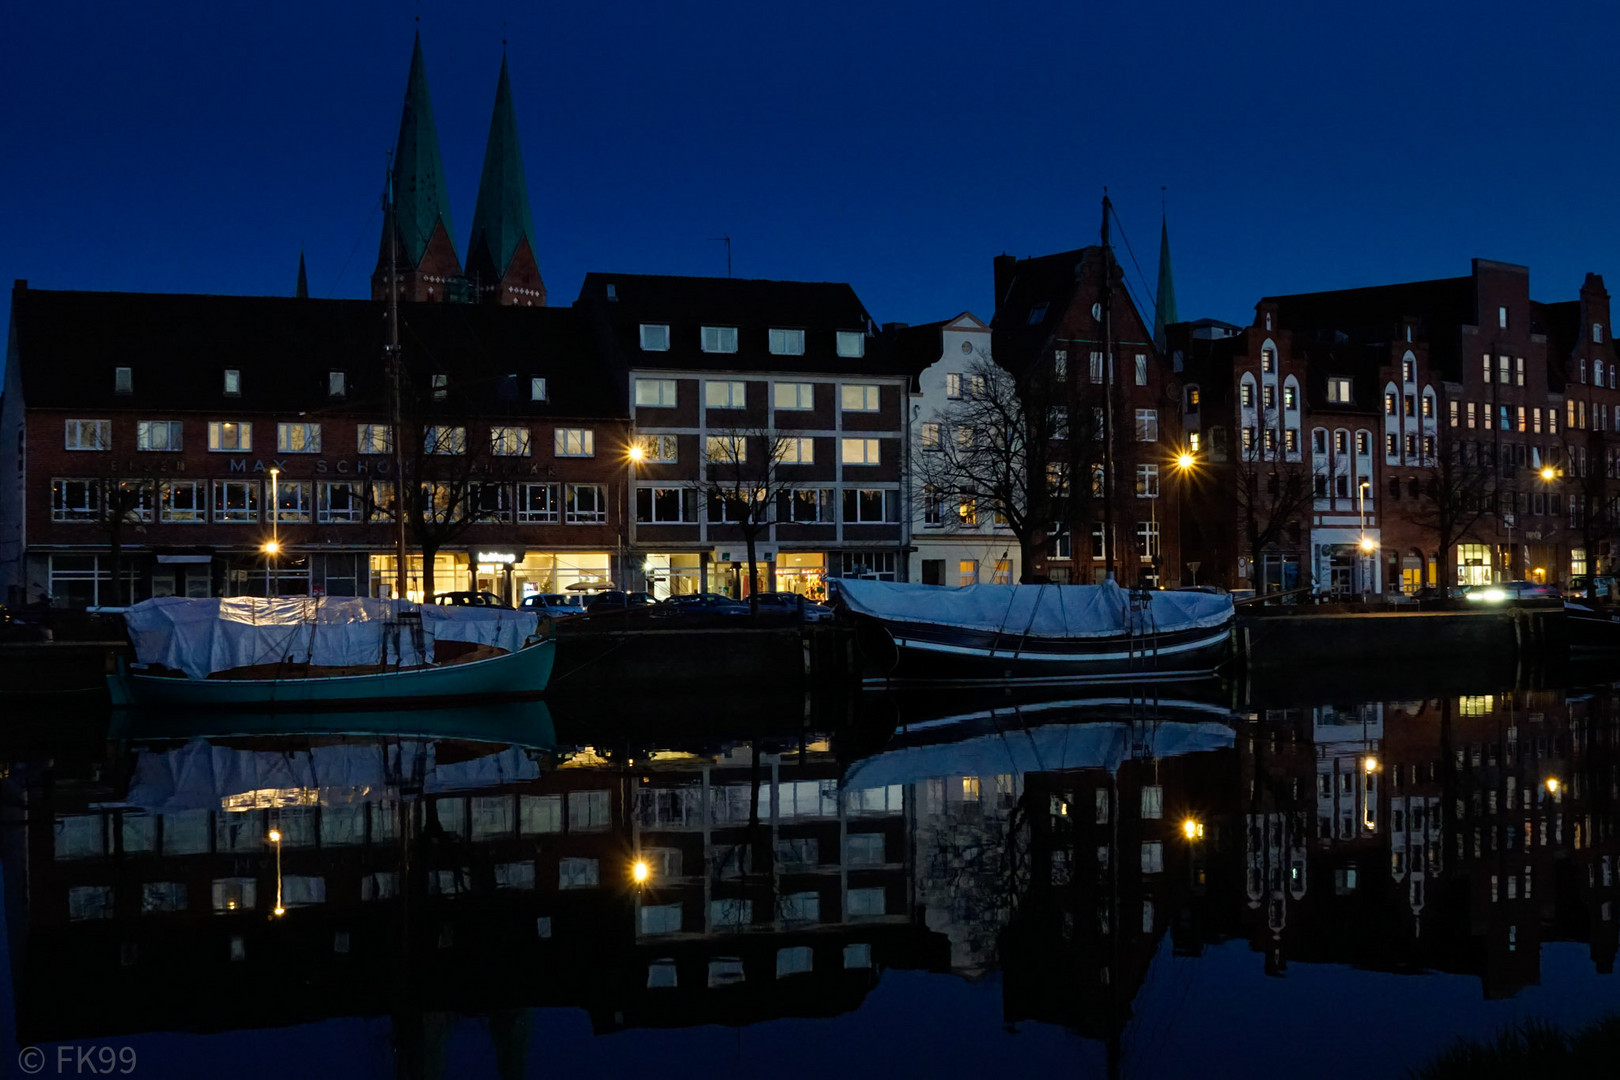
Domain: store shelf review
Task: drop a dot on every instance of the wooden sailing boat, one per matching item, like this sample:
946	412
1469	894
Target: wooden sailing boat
313	652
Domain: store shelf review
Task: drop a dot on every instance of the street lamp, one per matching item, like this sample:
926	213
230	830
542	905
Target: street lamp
1368	545
273	548
1184	464
634	454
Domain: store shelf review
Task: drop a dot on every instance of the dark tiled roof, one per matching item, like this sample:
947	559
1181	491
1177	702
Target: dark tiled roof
1561	323
620	303
914	348
1048	280
179	345
1442	307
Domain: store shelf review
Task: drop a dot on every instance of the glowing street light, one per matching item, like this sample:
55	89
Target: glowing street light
1548	473
640	872
636	452
1371	764
1192	829
1184	463
1552	785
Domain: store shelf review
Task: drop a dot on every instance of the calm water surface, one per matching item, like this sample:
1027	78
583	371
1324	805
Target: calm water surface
1217	878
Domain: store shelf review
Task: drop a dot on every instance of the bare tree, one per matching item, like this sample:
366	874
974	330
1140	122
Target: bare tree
743	483
1270	492
114	505
1452	501
999	445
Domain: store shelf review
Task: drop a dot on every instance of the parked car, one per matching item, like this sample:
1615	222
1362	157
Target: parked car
471	599
557	605
1593	587
792	602
617	600
699	604
1512	590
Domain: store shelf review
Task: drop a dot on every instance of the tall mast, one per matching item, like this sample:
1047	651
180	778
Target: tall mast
1108	392
395	390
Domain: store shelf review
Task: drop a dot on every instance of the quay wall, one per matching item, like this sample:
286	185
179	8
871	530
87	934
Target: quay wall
1276	638
724	659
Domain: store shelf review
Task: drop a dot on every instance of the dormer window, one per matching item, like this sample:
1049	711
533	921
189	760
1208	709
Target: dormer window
441	387
787	342
1268	320
1037	313
720	339
1501	318
1597	333
233	383
336	384
537	386
655	337
123	380
1338	391
851	343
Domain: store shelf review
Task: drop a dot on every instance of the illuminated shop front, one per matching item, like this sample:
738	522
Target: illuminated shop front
803	572
673	573
509	574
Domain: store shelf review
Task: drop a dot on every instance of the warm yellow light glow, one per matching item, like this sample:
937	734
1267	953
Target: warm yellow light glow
1371	764
1548	472
280	911
637	452
1192	829
275	836
640	872
271	547
1184	461
1368	543
1552	784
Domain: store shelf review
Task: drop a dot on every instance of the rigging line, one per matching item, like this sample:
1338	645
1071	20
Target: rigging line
361	235
1127	239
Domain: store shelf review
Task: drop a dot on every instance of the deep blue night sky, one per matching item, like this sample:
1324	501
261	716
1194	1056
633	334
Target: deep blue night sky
197	147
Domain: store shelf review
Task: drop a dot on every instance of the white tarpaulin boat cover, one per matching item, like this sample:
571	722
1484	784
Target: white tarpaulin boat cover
204	776
1100	744
1037	611
200	636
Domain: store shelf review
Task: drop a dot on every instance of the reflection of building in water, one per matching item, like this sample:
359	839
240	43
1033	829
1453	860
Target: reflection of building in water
1455	834
267	886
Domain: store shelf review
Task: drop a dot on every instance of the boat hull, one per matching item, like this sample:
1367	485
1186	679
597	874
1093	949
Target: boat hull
924	652
524	673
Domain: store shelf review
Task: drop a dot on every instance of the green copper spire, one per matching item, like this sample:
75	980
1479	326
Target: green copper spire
501	218
1166	313
303	280
420	199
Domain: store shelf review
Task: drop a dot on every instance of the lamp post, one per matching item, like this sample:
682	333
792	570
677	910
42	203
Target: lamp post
634	454
273	548
1367	544
1184	463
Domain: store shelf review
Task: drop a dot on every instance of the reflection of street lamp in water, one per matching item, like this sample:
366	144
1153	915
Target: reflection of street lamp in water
275	838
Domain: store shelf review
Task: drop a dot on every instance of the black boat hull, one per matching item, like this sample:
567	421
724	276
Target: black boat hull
930	653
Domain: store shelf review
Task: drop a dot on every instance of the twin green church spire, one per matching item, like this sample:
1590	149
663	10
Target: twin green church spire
500	265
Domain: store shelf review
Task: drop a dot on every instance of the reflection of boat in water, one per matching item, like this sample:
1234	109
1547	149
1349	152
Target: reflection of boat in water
523	723
1057	633
298	652
1591	630
1046	737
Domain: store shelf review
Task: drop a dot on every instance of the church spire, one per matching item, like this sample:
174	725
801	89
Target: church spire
428	267
1165	314
303	280
500	254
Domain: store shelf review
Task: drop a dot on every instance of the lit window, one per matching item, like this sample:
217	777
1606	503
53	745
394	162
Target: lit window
574	442
930	435
655	393
1291	398
953	385
851	343
444	440
726	449
1338	391
1268	360
88	435
723	394
788	395
509	441
654	337
374	439
719	339
795	451
298	438
157	435
859	452
664	449
859	398
230	435
1501	318
787	342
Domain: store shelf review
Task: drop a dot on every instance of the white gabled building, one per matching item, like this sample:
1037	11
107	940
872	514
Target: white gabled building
954	540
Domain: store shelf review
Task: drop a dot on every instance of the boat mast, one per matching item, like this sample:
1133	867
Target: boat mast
395	389
1108	392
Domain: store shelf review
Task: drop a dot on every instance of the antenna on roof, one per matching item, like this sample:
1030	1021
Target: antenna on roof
726	240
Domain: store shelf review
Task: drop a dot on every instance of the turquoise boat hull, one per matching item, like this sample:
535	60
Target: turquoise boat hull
520	723
524	673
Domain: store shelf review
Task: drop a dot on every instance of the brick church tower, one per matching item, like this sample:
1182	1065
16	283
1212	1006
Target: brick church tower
501	265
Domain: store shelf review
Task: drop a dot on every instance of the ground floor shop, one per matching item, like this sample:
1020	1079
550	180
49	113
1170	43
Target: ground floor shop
725	570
